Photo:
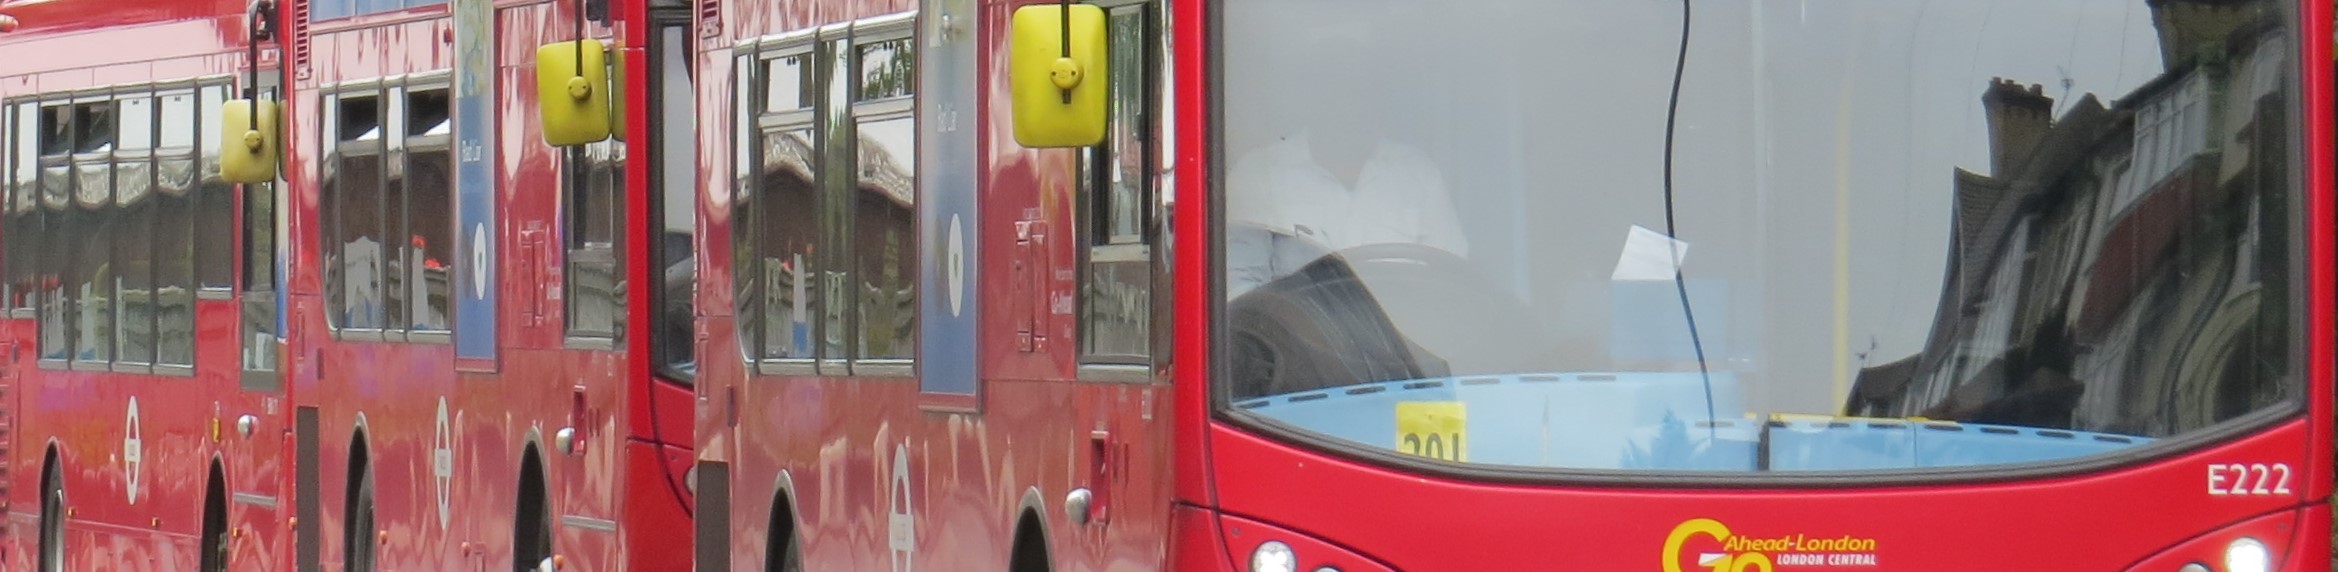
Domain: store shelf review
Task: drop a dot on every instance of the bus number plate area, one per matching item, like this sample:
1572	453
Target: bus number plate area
1433	429
2249	479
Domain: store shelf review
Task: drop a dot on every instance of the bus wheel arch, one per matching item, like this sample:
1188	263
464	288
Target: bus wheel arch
212	546
783	545
531	531
51	542
1029	550
359	536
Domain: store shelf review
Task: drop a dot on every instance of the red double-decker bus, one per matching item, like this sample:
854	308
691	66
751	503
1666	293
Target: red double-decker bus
1350	285
295	286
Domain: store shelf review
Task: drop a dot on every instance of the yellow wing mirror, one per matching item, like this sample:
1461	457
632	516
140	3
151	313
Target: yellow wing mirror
1058	74
248	145
572	92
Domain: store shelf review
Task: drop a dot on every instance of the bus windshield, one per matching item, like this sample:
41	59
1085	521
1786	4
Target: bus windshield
1759	235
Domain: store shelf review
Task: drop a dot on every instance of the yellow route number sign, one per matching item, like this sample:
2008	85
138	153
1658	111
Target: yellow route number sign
1433	429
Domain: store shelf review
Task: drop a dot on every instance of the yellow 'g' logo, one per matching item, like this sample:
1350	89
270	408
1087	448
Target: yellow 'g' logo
1721	562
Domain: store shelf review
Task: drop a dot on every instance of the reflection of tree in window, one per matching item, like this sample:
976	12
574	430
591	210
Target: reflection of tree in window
787	234
884	216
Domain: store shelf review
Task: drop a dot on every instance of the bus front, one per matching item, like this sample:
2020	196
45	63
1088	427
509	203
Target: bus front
1753	285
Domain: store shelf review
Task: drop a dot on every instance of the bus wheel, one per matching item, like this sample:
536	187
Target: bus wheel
360	554
52	518
214	545
532	526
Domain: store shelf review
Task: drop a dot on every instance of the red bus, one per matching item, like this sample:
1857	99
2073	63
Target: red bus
409	347
1375	285
141	395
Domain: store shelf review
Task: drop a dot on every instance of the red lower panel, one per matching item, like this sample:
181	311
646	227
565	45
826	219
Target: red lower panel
652	512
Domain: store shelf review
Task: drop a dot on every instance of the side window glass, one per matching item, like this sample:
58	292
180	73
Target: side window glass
777	233
133	215
352	211
595	182
214	203
52	182
884	200
421	269
261	260
175	237
1117	201
21	235
91	224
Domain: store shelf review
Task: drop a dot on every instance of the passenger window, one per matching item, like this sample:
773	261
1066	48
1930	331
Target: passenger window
133	214
91	232
423	213
175	233
1117	191
884	205
595	205
352	211
21	235
214	203
776	226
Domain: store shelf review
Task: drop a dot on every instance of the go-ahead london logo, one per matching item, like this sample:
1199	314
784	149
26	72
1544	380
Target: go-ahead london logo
1707	545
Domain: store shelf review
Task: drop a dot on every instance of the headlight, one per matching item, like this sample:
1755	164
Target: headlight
1273	556
2247	555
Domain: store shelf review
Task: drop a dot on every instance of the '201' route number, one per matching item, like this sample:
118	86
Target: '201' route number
1433	429
2251	479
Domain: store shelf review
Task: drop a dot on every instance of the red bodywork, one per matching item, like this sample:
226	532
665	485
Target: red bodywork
610	503
1181	489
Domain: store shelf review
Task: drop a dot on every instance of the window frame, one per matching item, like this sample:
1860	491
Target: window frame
901	26
77	155
832	114
764	122
392	146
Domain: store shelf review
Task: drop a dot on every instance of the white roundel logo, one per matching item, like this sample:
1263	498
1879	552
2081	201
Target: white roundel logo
479	261
133	464
956	265
442	461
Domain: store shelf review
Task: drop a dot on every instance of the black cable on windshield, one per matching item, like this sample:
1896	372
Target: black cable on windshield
1679	279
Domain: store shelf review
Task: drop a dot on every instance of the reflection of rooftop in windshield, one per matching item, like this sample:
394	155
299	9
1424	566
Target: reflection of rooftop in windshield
2035	232
2120	263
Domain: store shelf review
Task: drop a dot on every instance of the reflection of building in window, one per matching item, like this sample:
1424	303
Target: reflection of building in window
2109	272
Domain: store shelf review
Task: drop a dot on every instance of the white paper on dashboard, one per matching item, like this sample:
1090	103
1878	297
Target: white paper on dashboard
1650	255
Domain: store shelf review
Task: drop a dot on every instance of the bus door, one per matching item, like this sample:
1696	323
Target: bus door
673	187
1124	292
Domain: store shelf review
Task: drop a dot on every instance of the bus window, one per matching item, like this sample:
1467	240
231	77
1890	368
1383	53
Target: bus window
778	232
596	219
91	226
674	179
884	203
134	211
1116	189
426	249
174	226
54	186
352	205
